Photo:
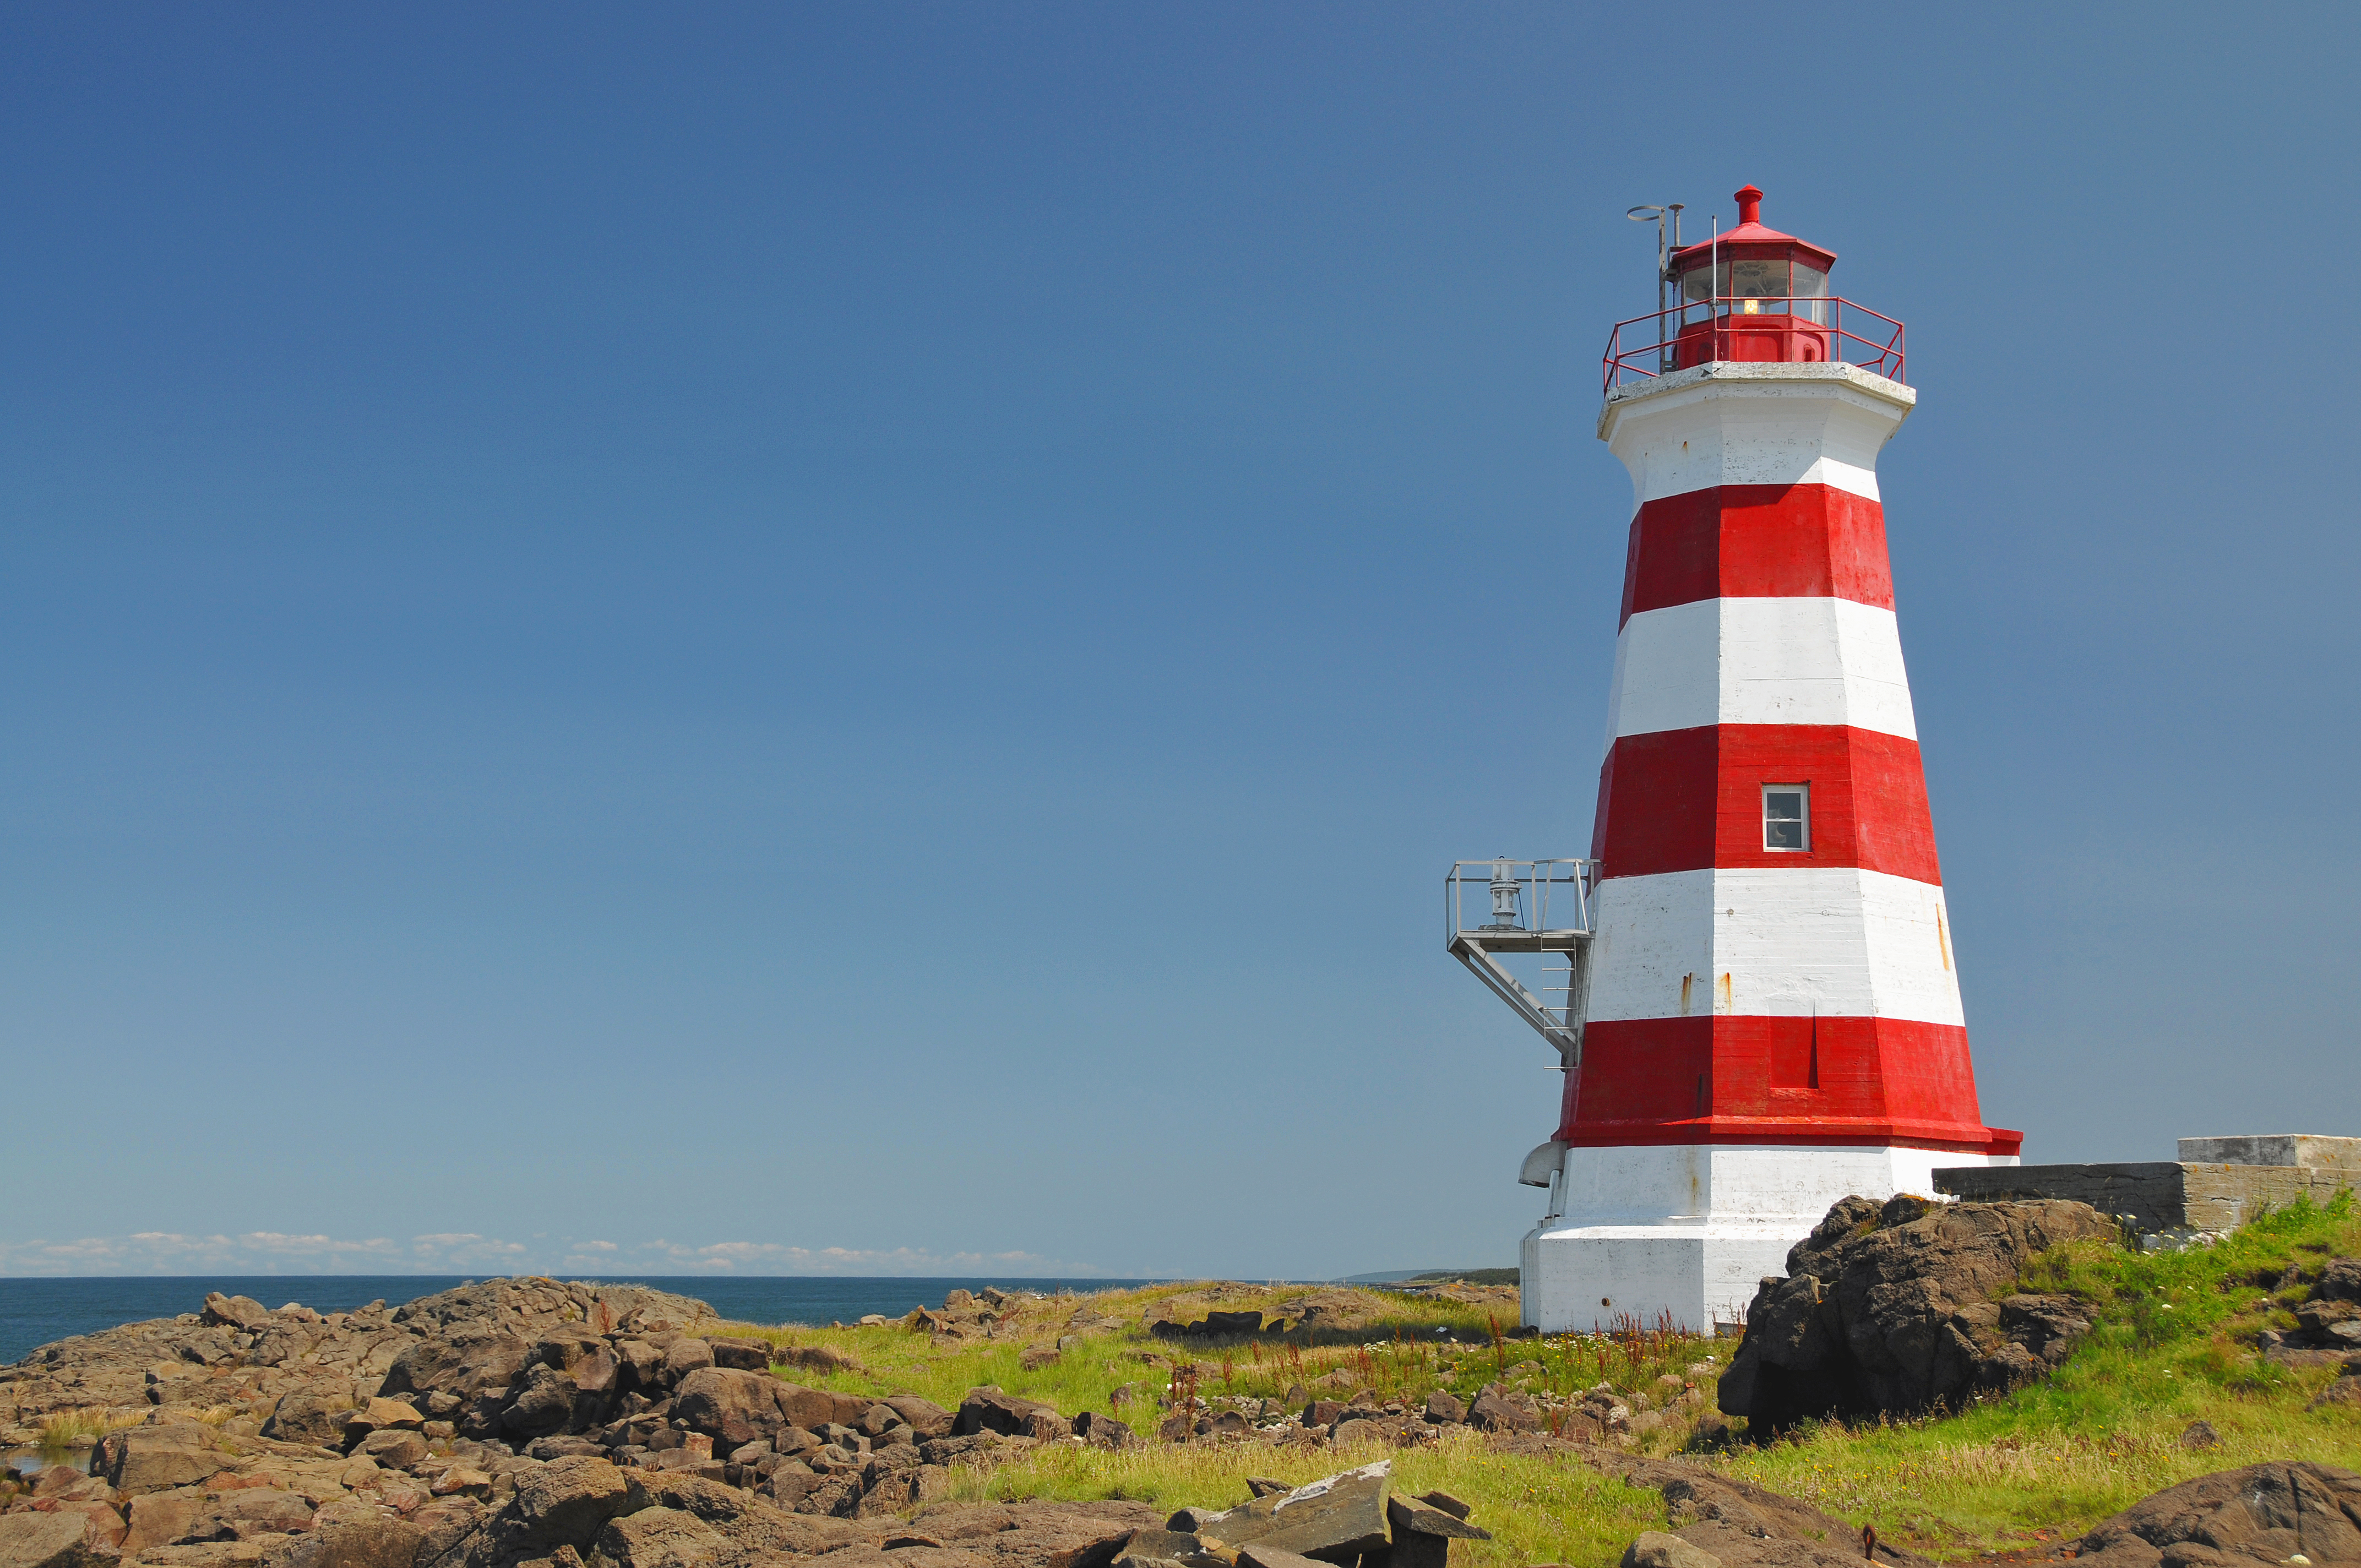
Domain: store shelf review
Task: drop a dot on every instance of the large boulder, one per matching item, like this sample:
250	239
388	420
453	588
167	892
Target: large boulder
43	1540
567	1502
2269	1513
1713	1518
730	1405
1334	1519
305	1416
236	1312
466	1364
989	1409
544	1404
658	1537
1890	1309
153	1459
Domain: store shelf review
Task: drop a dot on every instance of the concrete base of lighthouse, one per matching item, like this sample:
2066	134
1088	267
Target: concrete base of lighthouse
1689	1231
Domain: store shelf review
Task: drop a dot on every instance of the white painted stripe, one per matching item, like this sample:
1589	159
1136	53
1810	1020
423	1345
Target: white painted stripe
1761	661
1742	433
1834	940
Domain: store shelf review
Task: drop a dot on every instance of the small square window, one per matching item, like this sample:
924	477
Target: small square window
1787	817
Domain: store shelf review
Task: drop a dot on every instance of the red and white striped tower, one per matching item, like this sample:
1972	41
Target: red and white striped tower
1772	1017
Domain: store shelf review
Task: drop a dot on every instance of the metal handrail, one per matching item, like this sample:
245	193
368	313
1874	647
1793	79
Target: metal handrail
1882	348
1533	884
1536	907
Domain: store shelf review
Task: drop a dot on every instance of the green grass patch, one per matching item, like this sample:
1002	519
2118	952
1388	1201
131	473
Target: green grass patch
2172	1343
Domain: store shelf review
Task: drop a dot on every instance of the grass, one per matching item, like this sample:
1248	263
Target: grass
2169	1346
80	1429
2173	1344
1397	1347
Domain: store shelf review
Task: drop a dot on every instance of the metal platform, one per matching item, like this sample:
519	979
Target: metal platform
1535	906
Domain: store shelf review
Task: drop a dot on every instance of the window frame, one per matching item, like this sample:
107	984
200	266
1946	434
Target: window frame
1803	789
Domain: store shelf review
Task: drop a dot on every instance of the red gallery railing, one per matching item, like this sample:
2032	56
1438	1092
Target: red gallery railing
1821	329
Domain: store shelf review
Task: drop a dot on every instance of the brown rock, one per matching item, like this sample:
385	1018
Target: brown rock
1334	1519
1655	1549
2267	1511
658	1537
301	1417
569	1500
729	1404
154	1459
43	1540
924	1419
1494	1410
393	1449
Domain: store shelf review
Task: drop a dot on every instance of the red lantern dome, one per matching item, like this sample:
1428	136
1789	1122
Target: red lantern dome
1753	295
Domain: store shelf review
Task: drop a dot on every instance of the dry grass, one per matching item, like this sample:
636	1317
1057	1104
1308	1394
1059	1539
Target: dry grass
2173	1344
81	1428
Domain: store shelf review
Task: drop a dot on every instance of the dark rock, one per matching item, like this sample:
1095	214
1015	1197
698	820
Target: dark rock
2267	1511
303	1417
743	1354
235	1311
2048	1326
568	1500
1260	1554
545	1404
1874	1315
393	1448
812	1408
926	1420
1334	1519
1103	1432
1745	1526
658	1537
1445	1409
2340	1280
367	1544
548	1448
600	1372
1322	1413
467	1367
989	1409
730	1405
1422	1518
1495	1411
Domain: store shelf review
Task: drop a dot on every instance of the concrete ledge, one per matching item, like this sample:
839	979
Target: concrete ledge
2162	1195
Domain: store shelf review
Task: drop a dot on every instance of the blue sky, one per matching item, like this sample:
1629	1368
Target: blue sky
781	639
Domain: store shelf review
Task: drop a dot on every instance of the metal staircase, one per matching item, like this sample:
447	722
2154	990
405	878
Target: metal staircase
1534	908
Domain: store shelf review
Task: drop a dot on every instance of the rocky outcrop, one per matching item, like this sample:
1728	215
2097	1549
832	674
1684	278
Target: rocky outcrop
2263	1513
1718	1522
1905	1307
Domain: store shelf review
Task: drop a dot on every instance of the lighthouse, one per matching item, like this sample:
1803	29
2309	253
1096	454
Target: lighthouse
1759	1010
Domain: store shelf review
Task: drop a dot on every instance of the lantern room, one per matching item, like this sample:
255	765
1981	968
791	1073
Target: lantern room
1751	294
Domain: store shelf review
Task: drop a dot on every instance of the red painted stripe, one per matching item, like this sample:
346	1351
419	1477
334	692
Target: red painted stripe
1758	1079
1682	800
1757	541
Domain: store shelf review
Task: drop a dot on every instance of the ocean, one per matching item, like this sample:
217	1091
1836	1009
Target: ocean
34	1312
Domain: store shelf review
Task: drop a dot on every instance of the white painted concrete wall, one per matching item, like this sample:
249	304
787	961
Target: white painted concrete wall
1761	661
1692	1230
1754	424
1831	940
